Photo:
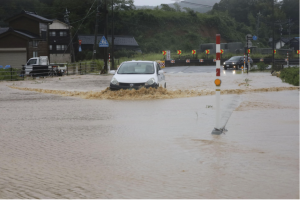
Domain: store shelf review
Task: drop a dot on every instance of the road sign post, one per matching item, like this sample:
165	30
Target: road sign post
168	55
207	51
179	53
193	52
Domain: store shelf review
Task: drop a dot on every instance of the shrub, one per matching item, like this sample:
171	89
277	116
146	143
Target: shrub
290	75
261	66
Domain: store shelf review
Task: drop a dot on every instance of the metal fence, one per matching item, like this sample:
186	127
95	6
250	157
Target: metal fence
81	68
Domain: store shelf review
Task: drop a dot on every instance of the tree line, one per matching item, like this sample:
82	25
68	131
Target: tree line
170	27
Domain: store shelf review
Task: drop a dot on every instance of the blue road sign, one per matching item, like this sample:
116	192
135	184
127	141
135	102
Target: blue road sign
254	37
79	49
103	42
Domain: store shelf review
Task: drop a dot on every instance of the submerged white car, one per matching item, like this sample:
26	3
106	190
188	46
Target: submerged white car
138	74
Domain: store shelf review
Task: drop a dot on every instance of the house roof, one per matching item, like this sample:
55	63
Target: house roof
285	40
120	40
30	14
23	33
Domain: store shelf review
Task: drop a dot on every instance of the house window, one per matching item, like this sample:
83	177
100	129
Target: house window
35	54
35	43
62	33
58	47
52	33
61	47
50	47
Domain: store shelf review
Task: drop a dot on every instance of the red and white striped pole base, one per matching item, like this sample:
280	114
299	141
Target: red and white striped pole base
218	129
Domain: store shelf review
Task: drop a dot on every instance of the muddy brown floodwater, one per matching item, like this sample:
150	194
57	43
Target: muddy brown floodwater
58	142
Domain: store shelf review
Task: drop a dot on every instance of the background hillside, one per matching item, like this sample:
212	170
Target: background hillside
202	6
172	27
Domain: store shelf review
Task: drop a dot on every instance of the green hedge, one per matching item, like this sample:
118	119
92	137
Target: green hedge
290	75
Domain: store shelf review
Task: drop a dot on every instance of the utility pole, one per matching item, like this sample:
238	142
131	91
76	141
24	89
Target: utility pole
66	18
289	29
105	35
280	29
96	31
112	35
257	25
273	33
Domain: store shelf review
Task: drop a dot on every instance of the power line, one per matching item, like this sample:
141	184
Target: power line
81	23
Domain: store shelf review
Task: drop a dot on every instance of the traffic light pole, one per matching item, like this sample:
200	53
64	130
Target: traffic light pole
247	57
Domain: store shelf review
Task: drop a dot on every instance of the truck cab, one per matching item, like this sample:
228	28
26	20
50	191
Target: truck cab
36	65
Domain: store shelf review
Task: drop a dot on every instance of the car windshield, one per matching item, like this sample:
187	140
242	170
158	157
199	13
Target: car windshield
136	68
235	58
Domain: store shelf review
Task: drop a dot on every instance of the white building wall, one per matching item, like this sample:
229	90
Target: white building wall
58	25
279	45
60	58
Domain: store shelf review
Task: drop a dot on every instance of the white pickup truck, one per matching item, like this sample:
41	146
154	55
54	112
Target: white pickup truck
40	66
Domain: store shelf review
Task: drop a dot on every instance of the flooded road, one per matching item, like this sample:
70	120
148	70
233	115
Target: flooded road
55	146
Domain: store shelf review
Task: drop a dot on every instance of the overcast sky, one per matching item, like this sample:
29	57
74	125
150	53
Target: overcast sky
151	2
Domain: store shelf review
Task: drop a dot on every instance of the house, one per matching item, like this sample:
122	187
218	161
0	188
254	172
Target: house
26	37
59	42
281	42
120	42
292	43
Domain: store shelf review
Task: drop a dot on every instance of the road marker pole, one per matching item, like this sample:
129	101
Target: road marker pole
244	64
218	129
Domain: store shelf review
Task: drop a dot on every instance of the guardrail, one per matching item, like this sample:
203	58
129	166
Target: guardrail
208	62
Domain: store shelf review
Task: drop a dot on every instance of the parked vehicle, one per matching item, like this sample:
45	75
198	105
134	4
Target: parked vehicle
39	66
236	62
138	74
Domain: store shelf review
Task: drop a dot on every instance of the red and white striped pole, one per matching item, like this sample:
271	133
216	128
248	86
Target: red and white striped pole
244	62
218	129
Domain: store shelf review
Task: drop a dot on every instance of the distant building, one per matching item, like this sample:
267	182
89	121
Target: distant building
26	37
120	42
59	42
293	43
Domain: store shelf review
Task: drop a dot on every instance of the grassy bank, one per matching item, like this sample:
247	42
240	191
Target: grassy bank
290	75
